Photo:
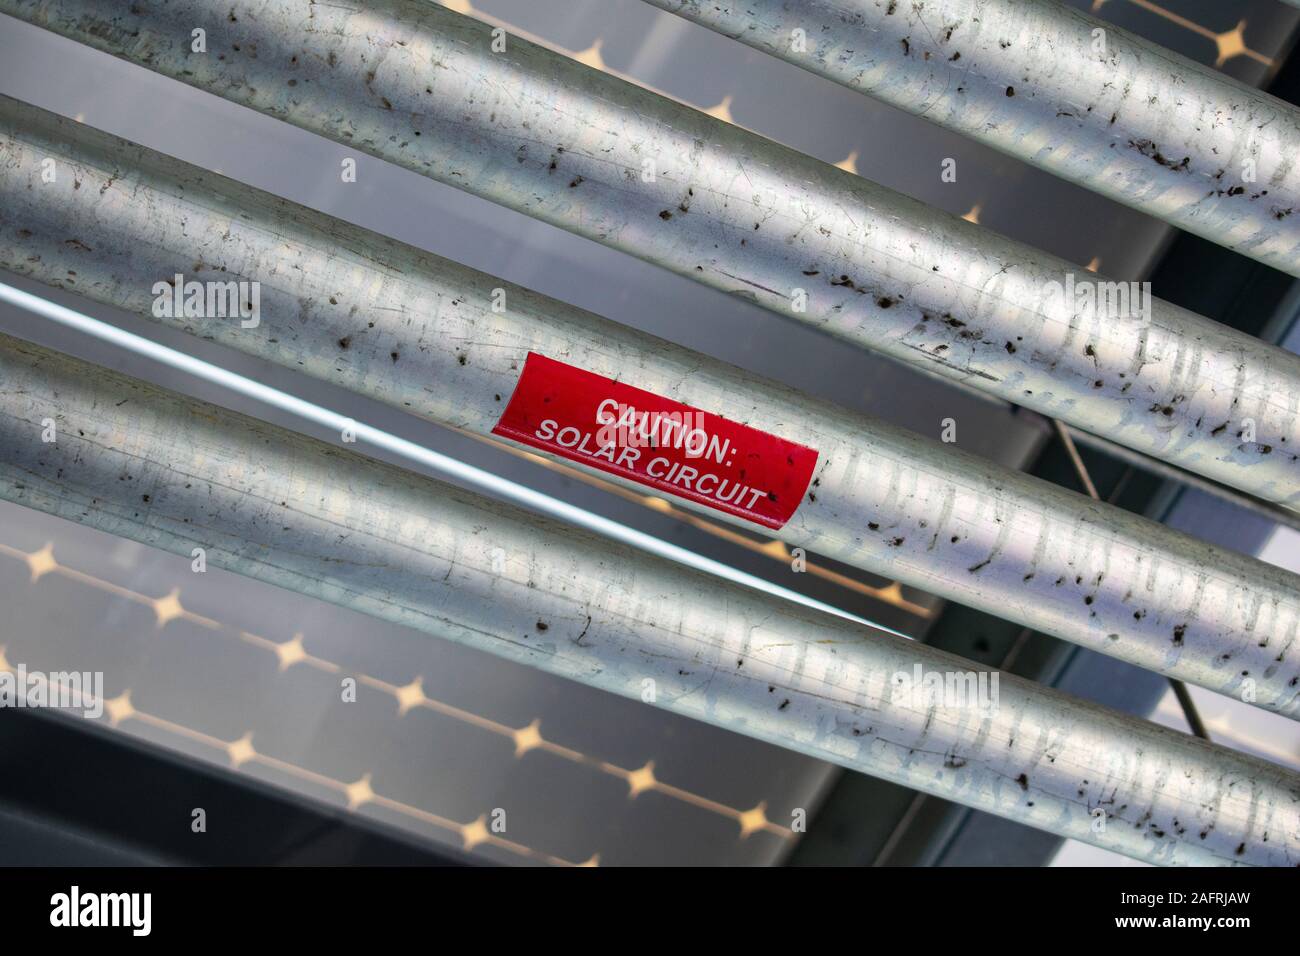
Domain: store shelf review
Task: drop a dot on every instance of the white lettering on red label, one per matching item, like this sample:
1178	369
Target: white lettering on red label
658	442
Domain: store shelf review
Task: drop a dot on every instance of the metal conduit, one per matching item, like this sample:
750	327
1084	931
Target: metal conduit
175	473
421	333
1263	509
421	86
1063	90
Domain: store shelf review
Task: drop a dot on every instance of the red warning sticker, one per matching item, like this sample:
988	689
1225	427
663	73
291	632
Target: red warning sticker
655	441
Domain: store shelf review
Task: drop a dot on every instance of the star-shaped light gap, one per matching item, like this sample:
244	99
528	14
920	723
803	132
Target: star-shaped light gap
412	695
241	751
119	708
639	781
475	833
291	652
42	562
528	738
169	608
751	821
359	792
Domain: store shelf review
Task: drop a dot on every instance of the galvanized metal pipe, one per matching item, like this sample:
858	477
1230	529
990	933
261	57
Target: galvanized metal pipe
422	86
177	474
1063	90
1263	509
424	334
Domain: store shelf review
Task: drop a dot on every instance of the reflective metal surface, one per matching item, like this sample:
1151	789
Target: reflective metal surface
1053	86
175	473
421	333
539	133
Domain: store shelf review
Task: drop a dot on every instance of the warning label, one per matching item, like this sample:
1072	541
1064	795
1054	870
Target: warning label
657	442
